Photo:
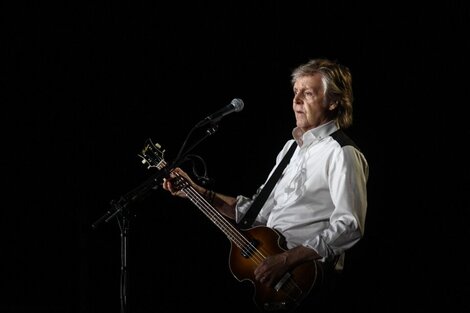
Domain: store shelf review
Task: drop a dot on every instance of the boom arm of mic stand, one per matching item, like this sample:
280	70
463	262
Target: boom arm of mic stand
137	193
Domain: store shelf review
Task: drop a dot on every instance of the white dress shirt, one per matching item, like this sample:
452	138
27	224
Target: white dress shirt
320	200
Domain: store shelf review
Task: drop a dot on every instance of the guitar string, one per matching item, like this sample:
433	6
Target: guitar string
235	235
219	220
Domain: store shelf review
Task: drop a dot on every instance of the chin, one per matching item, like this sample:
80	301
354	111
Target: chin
301	124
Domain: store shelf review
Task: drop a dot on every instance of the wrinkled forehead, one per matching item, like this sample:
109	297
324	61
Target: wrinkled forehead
309	81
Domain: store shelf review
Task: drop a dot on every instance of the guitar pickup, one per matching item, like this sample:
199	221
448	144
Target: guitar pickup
247	250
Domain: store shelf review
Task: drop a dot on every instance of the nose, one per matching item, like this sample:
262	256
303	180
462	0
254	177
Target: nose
297	99
299	96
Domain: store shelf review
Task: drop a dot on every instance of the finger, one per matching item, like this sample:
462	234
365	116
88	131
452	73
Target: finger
263	279
168	186
176	170
165	184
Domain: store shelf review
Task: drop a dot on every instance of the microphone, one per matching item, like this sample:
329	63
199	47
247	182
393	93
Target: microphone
236	105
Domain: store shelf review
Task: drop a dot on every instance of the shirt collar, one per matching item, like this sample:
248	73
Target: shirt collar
313	134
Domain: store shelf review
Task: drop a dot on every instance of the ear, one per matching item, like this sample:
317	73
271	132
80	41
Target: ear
333	105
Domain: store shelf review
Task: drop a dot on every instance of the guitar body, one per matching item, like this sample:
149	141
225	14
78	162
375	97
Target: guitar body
296	285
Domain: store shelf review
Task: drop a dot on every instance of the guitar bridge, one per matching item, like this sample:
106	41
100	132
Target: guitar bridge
277	306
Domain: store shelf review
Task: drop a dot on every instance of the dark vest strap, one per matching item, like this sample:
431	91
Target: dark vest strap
343	139
252	213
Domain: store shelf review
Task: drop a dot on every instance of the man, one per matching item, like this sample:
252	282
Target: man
319	203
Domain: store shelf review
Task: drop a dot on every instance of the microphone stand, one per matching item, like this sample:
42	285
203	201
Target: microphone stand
120	210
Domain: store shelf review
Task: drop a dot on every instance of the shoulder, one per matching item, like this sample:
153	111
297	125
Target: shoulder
343	139
346	150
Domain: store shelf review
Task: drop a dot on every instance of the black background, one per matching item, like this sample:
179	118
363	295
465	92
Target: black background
86	83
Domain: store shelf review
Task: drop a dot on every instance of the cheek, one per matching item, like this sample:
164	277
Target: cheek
308	111
314	108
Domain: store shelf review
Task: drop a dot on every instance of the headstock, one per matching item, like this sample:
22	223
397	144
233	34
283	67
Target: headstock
152	155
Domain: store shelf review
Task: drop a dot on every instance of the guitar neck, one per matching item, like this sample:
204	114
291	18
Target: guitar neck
232	233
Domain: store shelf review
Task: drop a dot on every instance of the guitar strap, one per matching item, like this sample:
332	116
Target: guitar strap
250	215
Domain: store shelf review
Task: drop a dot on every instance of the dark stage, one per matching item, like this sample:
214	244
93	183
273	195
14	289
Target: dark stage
87	83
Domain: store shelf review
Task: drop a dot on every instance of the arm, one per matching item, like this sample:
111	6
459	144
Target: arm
272	268
223	203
